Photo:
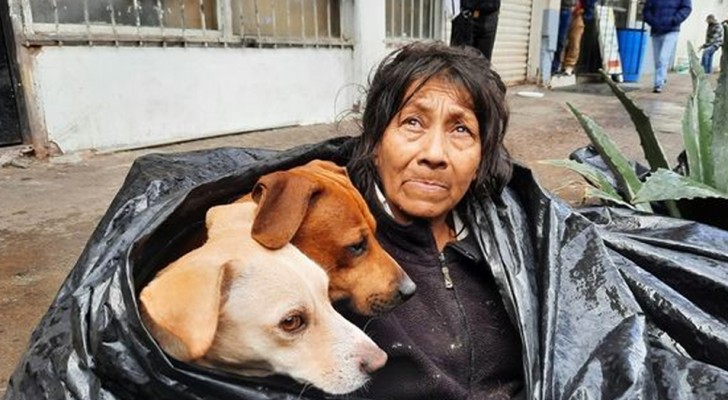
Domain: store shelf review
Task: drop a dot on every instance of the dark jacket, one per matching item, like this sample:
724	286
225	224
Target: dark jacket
713	36
484	6
665	16
607	303
468	348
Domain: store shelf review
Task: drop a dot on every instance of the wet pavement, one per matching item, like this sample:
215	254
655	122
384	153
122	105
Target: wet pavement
49	209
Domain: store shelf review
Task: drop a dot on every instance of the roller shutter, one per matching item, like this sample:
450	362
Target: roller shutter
510	54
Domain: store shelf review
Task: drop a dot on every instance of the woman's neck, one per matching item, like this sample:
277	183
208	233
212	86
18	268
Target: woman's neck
442	232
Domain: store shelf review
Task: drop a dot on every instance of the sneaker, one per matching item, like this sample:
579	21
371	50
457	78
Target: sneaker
657	89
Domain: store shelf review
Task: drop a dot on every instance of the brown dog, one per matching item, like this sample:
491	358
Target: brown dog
317	209
236	305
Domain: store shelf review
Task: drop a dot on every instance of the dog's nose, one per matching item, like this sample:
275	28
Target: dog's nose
373	361
406	289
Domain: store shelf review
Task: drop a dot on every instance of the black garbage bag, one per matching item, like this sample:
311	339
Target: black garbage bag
609	303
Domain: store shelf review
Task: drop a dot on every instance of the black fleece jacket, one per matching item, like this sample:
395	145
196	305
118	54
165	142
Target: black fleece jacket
443	343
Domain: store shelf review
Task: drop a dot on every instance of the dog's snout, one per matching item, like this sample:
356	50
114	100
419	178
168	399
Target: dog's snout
406	289
373	361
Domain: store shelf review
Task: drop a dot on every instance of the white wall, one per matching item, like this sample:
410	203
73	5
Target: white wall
107	97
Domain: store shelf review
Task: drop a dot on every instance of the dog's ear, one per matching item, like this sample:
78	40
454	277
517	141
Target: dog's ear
283	199
181	306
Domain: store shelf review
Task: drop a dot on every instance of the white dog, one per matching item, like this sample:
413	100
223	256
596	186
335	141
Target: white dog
235	305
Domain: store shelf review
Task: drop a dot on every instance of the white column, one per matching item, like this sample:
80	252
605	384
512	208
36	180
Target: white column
369	37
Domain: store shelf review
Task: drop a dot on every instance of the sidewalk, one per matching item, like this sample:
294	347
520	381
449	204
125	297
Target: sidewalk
49	209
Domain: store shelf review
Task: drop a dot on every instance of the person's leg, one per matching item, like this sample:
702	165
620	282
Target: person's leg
707	60
485	40
663	47
564	22
660	73
573	43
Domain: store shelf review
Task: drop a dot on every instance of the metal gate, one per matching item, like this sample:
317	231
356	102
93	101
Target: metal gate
510	53
9	118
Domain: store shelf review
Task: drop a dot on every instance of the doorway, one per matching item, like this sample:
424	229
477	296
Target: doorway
10	132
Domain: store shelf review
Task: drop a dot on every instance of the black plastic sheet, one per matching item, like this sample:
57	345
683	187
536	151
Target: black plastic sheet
609	303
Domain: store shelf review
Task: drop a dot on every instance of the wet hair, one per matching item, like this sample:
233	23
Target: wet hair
415	64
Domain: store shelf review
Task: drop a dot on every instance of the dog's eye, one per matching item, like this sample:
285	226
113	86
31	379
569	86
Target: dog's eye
358	249
292	323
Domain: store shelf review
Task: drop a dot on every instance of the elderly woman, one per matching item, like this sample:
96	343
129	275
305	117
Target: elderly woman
518	295
432	134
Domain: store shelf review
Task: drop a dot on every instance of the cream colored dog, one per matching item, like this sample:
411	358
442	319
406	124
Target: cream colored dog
235	305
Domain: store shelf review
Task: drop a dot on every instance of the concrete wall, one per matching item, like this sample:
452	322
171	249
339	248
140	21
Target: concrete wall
107	97
104	97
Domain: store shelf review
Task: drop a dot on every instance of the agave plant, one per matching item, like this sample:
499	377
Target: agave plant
705	137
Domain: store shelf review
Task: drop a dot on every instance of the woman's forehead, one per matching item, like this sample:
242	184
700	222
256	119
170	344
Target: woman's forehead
417	91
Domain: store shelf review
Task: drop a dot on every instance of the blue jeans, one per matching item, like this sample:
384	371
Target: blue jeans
707	60
564	22
663	49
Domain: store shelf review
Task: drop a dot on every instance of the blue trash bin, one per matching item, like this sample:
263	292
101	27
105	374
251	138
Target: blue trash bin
632	45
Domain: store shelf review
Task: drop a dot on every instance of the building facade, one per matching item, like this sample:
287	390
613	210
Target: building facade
116	74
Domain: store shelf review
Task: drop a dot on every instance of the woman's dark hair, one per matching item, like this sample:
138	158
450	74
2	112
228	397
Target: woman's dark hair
417	63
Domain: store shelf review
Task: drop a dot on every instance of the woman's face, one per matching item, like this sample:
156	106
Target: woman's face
429	153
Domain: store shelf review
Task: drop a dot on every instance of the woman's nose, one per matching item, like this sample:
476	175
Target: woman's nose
434	149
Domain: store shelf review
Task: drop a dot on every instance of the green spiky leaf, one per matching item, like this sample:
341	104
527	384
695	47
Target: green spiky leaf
614	198
698	124
668	185
617	162
594	176
720	121
654	154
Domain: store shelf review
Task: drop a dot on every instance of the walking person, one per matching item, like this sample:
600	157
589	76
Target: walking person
573	39
664	18
713	41
483	15
567	7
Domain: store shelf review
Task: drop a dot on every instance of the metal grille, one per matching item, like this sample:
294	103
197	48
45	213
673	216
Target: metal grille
244	22
414	19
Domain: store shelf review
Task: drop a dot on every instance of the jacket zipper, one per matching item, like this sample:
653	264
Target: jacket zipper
445	271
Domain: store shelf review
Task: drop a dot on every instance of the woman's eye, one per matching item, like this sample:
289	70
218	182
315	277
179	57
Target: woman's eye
413	122
292	323
462	129
358	249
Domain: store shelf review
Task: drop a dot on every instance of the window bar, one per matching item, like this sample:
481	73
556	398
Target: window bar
137	7
303	20
203	21
88	24
391	18
328	20
257	21
315	22
55	20
432	20
412	19
160	16
113	22
288	20
273	21
241	21
182	21
401	18
422	17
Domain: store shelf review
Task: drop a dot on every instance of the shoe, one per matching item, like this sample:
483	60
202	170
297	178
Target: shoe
657	89
568	71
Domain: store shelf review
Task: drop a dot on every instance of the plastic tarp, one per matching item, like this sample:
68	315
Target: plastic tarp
610	303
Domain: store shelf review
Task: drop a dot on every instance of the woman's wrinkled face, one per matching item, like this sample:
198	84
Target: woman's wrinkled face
430	152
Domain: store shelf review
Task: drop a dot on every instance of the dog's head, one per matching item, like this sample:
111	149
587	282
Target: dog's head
235	305
317	208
